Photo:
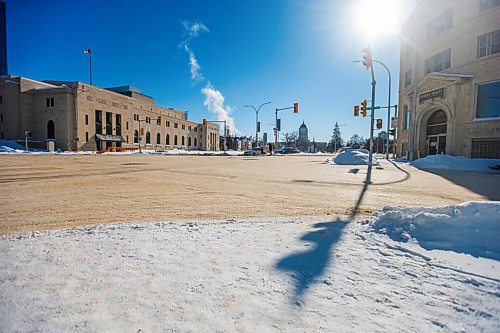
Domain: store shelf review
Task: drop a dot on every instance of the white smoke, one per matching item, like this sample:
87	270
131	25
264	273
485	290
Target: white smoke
214	100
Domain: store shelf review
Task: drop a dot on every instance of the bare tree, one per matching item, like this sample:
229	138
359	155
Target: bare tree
290	138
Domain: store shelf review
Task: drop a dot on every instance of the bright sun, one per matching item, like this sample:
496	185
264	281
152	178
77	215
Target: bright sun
377	17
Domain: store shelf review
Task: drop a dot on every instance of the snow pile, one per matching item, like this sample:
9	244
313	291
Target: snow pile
447	162
353	157
472	228
271	275
11	147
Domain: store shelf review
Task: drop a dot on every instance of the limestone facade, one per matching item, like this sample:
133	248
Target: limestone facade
451	50
76	115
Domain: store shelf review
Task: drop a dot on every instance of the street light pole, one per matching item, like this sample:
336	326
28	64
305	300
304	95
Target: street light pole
257	121
388	105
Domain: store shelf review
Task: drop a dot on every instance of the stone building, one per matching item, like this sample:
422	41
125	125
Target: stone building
450	70
78	116
303	139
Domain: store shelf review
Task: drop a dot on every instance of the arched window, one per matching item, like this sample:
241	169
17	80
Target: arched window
136	136
189	141
437	123
182	140
51	130
195	142
158	139
168	140
148	138
175	140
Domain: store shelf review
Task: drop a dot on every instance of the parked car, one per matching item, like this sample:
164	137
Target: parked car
288	150
255	151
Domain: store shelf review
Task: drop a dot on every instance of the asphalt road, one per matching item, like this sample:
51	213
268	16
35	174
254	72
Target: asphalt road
39	192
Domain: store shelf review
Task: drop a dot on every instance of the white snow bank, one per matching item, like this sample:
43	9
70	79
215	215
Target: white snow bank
447	162
353	157
472	228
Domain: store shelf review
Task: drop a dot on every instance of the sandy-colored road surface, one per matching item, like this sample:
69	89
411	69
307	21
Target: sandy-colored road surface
50	192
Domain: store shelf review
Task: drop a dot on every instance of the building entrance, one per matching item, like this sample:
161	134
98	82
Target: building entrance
436	133
436	144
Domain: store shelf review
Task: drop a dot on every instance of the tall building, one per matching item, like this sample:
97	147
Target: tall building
75	115
303	139
450	80
3	39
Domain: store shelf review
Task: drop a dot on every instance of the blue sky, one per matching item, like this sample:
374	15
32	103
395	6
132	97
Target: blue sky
254	51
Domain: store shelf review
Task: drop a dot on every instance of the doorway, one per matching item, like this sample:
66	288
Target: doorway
436	133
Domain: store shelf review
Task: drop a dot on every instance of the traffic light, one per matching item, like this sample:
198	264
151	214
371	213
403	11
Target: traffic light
356	110
392	131
379	123
258	126
295	107
278	125
142	130
367	57
204	122
363	108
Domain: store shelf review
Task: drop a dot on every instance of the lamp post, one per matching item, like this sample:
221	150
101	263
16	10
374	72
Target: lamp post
257	121
388	105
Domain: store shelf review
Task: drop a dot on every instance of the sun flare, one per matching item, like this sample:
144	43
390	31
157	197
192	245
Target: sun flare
376	18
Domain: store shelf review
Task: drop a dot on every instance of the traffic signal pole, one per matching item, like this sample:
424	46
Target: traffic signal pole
372	118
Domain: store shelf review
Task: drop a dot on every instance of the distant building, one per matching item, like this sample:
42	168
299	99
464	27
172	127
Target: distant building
75	115
451	54
3	39
303	139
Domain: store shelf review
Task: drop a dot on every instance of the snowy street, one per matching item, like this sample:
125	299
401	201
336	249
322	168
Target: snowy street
257	275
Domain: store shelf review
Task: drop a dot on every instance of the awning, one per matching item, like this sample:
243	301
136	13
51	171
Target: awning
108	137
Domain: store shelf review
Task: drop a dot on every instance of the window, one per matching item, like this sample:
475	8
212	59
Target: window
439	62
182	140
485	148
51	130
407	78
189	141
126	125
167	123
98	121
484	5
167	141
440	23
136	136
175	140
109	123
488	44
183	126
158	138
196	130
176	125
49	102
86	136
118	124
189	128
406	117
148	138
86	119
488	100
195	142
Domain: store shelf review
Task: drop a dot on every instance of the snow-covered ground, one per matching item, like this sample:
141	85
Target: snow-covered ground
447	162
353	157
403	270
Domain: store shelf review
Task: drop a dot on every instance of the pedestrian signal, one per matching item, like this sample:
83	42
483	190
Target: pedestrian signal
379	123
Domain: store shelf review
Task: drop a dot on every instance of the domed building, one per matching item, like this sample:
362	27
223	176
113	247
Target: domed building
303	140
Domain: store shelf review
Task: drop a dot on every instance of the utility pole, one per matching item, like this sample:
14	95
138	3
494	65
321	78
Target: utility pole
277	127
